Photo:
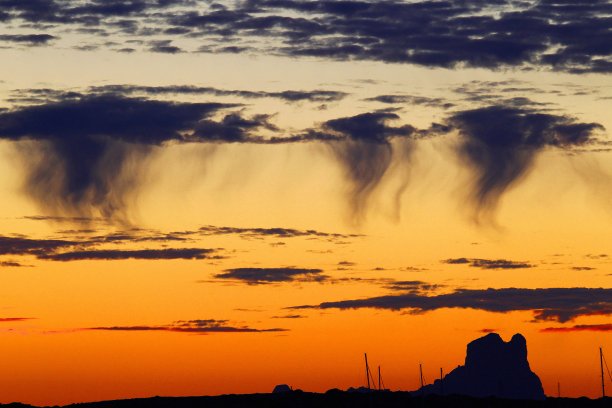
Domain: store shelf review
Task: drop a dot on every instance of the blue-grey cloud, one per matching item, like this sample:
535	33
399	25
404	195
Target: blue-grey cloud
27	39
26	246
363	146
500	144
561	35
117	254
88	248
554	304
81	146
44	95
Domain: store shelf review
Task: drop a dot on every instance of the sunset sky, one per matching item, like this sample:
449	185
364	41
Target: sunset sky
203	197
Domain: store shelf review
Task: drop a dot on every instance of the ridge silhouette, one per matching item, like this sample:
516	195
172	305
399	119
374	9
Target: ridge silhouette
493	368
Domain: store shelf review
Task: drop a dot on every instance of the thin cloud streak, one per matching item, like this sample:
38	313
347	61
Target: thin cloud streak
148	254
263	276
488	263
579	328
201	326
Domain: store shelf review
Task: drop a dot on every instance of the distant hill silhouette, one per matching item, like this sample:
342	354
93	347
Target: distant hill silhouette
339	399
493	368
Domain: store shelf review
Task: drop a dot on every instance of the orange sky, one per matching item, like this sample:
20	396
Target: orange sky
305	217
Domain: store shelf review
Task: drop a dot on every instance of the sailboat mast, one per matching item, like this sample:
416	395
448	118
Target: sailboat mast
441	382
603	384
421	374
367	368
379	388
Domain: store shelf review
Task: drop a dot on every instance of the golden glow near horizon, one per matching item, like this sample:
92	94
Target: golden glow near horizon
96	329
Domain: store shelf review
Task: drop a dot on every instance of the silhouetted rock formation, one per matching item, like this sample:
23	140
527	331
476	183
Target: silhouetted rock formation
492	368
281	389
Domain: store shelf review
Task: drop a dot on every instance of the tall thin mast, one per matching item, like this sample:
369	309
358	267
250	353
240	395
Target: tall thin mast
421	374
367	369
441	382
603	384
379	388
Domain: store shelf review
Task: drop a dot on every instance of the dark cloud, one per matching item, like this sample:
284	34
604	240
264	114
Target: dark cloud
14	319
410	286
488	263
316	95
549	304
84	151
289	316
28	39
457	261
83	146
412	100
151	254
583	268
85	143
233	128
568	36
164	47
88	14
85	248
27	246
11	264
135	235
579	327
261	276
362	144
125	119
509	93
500	144
204	326
272	232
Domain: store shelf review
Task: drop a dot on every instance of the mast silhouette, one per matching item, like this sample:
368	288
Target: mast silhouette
421	374
441	382
379	380
367	368
603	383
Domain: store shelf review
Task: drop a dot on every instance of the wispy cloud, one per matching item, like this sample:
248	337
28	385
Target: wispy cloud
276	232
262	276
14	319
202	326
488	263
578	328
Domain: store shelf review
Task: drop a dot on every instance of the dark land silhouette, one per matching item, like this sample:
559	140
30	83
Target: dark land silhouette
493	368
495	374
340	399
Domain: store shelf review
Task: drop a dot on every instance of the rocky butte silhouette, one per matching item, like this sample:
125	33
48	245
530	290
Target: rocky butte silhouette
493	368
